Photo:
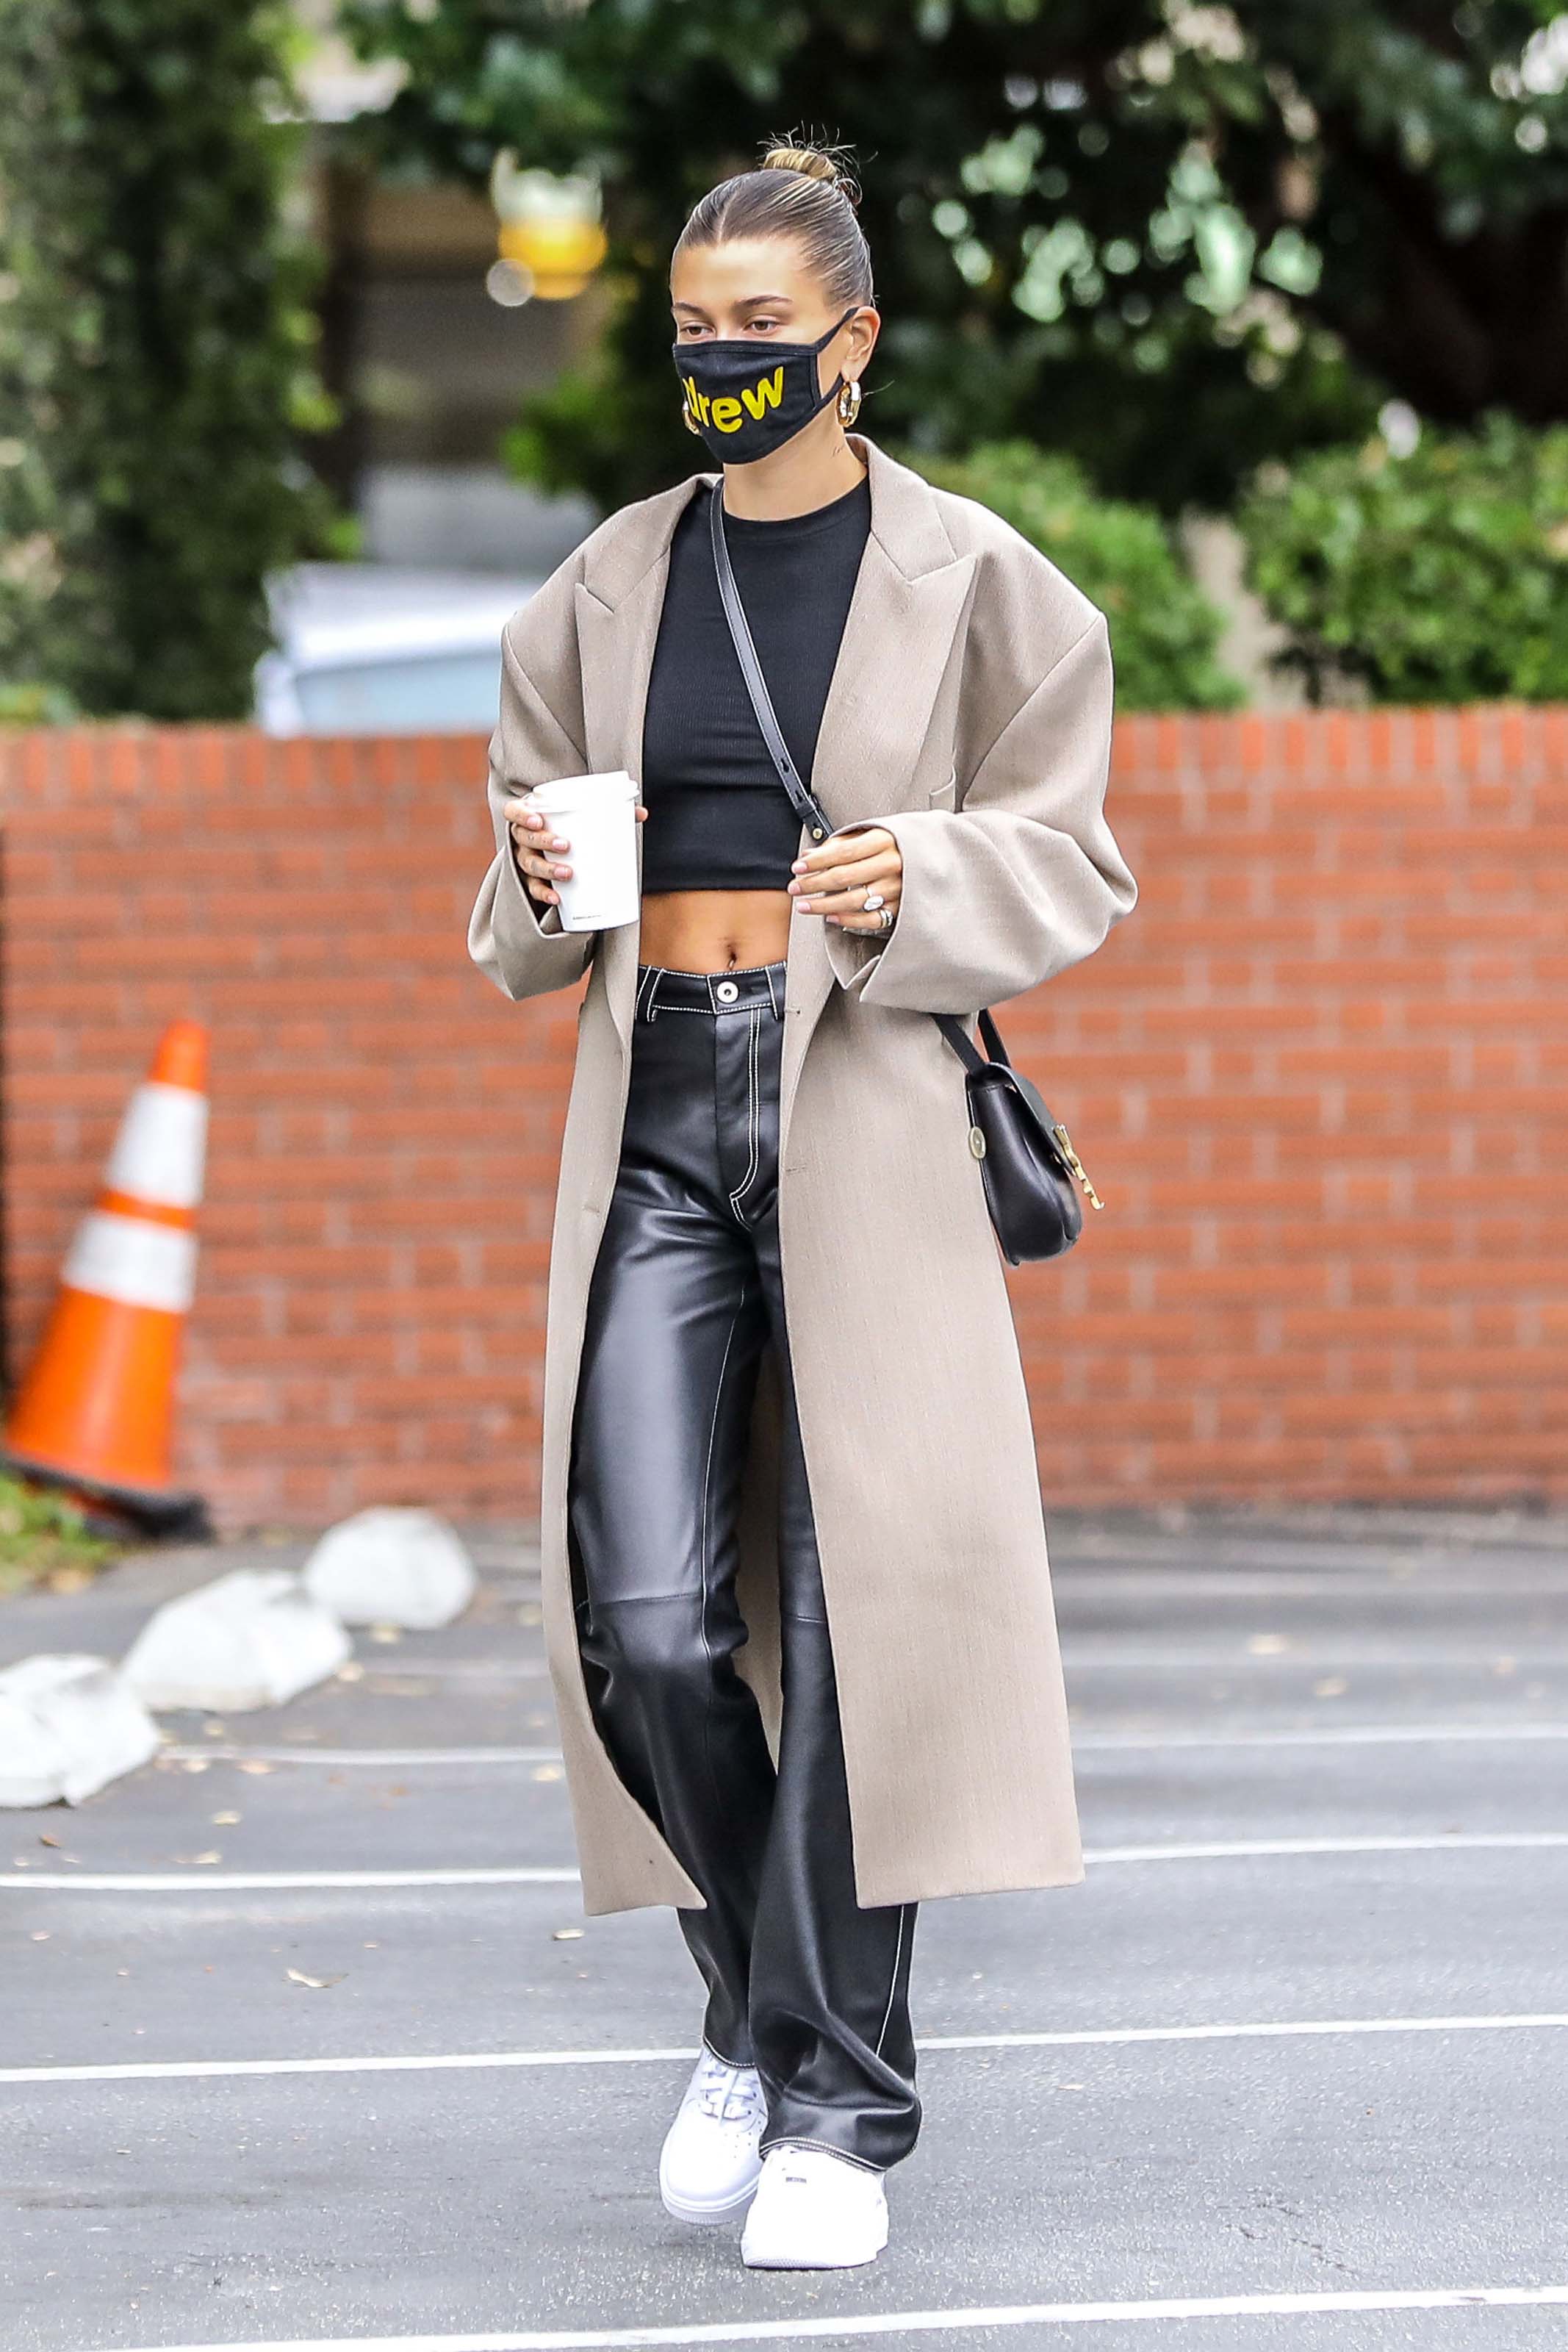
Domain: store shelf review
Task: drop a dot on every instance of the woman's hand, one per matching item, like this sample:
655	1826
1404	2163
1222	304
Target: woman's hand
538	850
834	880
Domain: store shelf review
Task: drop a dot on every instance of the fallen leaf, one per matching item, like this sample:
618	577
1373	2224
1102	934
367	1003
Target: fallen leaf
565	1935
195	1764
40	1935
548	1772
1267	1645
353	1673
1330	1687
313	1984
199	1860
45	1840
386	1632
253	1764
224	1820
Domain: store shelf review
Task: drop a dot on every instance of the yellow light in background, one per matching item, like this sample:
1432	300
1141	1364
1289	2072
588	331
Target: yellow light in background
551	233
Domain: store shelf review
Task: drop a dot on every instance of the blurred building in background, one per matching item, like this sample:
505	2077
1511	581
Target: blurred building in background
428	348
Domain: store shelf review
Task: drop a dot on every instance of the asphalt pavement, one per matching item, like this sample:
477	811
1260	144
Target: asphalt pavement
304	2040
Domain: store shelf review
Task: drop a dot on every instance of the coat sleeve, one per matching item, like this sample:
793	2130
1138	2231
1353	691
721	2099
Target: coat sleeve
1024	879
516	942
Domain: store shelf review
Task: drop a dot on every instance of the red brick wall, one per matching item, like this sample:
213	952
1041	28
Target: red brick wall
1320	1076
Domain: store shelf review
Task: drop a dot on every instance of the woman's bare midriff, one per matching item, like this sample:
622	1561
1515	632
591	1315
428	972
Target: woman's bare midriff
715	931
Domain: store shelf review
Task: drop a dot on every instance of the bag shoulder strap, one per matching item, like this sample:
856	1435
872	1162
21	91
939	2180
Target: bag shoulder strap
810	811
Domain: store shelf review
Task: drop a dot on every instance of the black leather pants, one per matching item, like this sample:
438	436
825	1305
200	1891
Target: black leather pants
686	1294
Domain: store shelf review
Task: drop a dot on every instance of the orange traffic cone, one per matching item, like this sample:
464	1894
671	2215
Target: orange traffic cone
95	1412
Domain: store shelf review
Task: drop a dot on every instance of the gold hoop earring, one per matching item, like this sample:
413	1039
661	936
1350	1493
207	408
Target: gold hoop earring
689	420
851	393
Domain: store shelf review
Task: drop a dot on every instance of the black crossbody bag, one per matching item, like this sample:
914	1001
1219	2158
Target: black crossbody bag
1028	1165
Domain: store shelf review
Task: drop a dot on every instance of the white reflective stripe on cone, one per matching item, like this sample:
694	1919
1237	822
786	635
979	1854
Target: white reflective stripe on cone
133	1260
160	1151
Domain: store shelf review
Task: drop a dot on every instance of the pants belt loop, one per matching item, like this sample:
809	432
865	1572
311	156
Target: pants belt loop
772	998
650	992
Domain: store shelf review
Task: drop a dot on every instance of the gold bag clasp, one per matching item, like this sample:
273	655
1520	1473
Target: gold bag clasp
1074	1161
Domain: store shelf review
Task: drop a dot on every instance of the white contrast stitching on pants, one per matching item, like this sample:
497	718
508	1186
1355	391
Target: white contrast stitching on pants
796	2140
707	1483
892	1987
753	1108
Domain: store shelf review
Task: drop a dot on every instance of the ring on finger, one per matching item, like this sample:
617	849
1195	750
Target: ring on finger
873	900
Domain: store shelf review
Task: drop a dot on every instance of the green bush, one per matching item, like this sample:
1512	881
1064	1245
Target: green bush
44	1537
1164	630
156	351
1438	577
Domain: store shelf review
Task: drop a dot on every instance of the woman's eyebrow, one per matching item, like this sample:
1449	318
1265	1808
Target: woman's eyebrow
744	302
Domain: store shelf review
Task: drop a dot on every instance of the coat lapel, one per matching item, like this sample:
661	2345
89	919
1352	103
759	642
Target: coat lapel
910	596
616	646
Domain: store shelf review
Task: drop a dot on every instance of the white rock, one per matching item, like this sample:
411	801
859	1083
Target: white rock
406	1568
252	1639
68	1727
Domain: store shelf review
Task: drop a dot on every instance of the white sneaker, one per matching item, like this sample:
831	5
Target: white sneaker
709	2166
814	2210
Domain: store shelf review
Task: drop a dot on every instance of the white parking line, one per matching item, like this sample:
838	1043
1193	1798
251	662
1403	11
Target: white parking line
1317	1585
1393	1650
1348	1735
927	2323
198	1881
177	2070
1247	1849
451	1670
370	1760
1370	1735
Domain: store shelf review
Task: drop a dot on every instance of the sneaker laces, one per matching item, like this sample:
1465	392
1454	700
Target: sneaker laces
730	2094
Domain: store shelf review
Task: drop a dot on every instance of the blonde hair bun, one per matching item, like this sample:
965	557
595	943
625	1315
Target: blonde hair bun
828	163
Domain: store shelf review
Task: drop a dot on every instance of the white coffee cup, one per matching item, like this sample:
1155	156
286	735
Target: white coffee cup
596	818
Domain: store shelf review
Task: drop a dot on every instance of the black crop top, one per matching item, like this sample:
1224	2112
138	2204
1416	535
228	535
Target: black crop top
718	817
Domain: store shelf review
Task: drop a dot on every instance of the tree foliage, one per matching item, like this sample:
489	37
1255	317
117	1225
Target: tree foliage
1437	576
1172	237
155	354
1163	631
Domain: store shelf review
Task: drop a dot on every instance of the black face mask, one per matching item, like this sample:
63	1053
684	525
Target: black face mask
746	398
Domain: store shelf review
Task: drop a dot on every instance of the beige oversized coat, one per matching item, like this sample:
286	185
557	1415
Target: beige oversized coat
970	713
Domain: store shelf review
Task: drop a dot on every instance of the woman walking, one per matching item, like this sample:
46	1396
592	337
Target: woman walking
796	1589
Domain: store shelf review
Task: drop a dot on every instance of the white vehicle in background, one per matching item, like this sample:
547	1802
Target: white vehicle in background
378	649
